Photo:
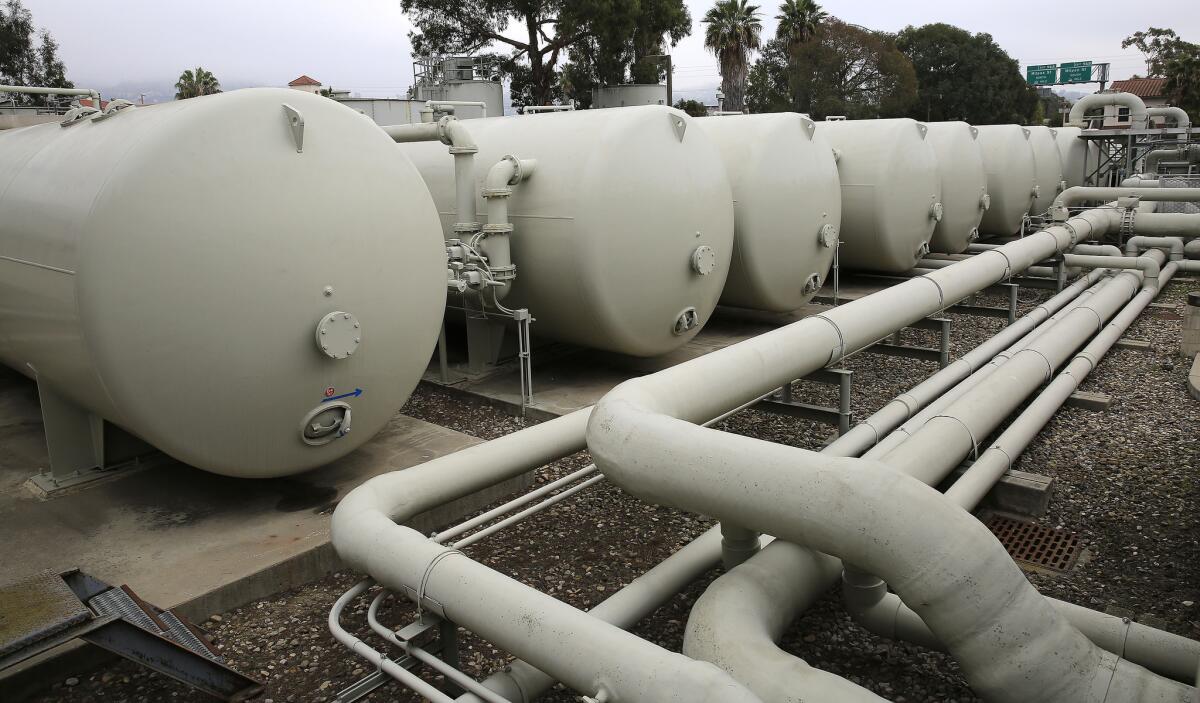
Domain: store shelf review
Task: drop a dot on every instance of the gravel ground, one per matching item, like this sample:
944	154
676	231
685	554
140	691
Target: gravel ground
1125	482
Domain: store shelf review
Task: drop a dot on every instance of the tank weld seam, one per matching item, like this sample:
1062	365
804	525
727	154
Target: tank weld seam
841	340
970	434
424	582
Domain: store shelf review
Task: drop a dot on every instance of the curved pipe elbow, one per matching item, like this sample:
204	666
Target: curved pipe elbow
1137	108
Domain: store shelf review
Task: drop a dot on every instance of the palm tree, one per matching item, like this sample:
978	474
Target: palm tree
733	32
194	83
798	21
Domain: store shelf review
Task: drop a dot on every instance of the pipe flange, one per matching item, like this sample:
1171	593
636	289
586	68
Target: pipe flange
828	236
339	335
497	228
704	260
466	227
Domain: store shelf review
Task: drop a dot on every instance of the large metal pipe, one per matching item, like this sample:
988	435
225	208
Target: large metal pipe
641	438
1012	644
1080	194
869	431
1189	153
1137	108
583	651
1174	116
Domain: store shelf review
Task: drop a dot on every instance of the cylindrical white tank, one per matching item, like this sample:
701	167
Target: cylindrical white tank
622	236
964	185
1008	160
787	208
1047	166
171	269
490	93
891	194
1074	153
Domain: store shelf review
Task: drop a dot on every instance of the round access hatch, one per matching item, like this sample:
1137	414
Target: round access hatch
338	335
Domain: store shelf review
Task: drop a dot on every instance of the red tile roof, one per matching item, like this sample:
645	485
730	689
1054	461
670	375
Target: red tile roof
1142	87
304	80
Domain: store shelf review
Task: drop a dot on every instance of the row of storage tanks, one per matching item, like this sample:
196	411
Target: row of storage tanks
229	287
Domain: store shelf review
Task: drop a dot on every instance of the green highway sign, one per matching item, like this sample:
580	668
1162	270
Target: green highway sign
1075	72
1041	75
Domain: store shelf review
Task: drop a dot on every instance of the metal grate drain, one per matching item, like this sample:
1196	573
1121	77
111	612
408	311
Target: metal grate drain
1035	545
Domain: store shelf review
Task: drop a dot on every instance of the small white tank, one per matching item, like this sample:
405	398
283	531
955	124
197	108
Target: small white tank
891	193
1008	160
1048	168
226	277
787	208
964	185
1074	152
623	234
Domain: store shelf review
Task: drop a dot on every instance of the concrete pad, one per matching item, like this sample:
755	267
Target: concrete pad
1194	378
567	381
181	536
1138	344
1089	401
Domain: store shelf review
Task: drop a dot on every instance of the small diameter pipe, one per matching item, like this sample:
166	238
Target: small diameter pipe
451	673
1097	249
452	133
40	90
367	652
464	527
521	682
435	104
497	188
528	512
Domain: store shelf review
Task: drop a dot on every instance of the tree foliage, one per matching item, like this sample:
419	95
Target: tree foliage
605	41
193	83
734	31
28	56
798	21
842	70
695	108
964	76
1170	57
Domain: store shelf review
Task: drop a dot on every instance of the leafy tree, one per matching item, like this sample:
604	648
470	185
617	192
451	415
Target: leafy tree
733	31
798	21
964	76
194	83
1170	57
27	56
695	108
1160	46
603	39
842	70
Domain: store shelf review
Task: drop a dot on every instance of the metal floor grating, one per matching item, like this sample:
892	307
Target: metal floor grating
1033	544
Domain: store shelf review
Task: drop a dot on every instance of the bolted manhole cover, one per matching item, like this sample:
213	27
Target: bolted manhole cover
1035	545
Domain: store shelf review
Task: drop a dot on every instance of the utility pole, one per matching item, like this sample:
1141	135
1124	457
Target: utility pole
667	58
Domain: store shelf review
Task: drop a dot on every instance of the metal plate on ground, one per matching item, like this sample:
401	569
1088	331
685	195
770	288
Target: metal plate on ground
35	608
1035	545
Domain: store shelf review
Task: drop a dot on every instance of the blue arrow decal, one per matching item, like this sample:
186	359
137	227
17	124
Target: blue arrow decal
357	392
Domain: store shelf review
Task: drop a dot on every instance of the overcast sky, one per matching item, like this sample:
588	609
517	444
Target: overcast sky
362	45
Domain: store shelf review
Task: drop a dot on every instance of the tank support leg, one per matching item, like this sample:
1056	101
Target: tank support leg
81	446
